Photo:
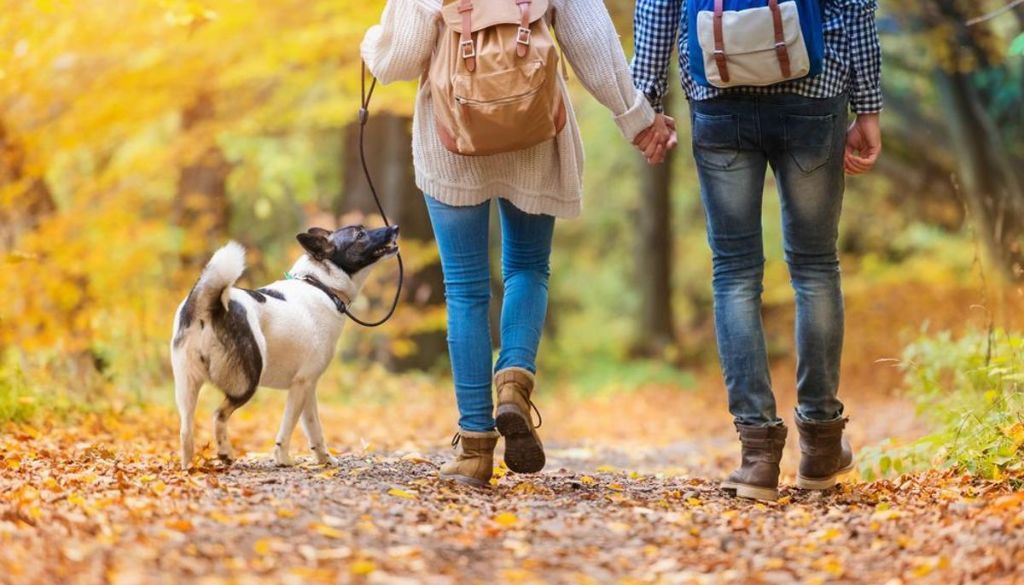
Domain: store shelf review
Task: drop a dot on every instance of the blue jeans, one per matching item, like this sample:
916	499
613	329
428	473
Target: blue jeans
462	235
735	139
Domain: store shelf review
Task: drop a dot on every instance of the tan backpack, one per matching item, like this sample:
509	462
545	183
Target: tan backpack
494	77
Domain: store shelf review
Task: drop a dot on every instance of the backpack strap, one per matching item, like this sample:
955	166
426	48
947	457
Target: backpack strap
720	59
780	39
466	47
523	35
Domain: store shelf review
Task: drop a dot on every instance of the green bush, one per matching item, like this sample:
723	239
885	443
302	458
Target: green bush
971	391
17	401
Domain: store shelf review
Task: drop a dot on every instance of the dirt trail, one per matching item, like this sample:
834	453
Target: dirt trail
103	502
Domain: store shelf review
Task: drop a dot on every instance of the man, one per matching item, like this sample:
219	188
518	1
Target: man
799	128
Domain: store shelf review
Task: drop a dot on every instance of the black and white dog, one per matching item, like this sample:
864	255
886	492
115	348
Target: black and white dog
281	336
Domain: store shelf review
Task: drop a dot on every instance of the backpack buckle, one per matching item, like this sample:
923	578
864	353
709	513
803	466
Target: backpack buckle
468	49
523	36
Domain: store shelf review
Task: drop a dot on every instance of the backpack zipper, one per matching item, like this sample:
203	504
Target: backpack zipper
498	102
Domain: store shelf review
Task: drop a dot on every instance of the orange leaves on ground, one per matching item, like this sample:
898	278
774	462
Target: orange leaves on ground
400	493
328	531
82	494
506	519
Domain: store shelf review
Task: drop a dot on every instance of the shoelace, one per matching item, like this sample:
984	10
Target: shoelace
456	439
540	419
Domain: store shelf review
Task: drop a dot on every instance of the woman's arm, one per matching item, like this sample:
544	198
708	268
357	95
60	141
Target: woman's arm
588	38
399	48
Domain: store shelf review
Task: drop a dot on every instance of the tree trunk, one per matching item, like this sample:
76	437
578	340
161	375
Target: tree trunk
32	200
201	206
389	158
991	186
653	261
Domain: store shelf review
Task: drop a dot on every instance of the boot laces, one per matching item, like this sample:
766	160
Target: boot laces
455	439
533	407
540	419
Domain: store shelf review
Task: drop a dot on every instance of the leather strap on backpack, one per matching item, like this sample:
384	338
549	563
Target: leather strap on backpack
781	51
780	39
466	46
720	59
524	32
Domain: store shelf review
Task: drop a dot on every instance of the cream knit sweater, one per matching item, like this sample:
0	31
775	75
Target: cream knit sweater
544	179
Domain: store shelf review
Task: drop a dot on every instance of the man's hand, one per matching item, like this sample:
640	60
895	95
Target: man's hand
863	144
656	141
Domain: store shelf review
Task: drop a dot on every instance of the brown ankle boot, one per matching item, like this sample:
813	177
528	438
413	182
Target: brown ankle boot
824	454
474	459
524	452
758	475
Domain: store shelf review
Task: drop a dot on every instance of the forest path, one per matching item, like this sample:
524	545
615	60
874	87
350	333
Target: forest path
103	501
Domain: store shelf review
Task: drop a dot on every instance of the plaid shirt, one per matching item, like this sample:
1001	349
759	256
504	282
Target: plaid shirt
853	56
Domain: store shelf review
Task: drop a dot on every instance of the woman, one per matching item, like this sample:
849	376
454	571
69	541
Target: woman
532	187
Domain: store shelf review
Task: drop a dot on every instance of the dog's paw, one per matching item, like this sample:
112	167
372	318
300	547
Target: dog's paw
322	456
283	458
324	459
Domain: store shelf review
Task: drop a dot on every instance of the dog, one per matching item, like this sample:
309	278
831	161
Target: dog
281	336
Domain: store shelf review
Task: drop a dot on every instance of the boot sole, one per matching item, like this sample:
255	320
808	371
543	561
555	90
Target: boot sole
523	452
823	483
467	480
751	492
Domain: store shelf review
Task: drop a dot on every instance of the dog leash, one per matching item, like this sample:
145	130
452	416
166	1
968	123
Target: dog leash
364	116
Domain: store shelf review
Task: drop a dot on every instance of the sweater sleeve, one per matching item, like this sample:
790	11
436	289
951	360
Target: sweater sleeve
399	48
587	36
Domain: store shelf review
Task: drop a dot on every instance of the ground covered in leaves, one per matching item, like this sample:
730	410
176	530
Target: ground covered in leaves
101	500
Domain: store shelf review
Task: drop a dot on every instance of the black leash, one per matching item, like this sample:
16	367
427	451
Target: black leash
364	115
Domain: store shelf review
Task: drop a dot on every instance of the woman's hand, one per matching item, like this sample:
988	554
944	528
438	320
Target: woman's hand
656	141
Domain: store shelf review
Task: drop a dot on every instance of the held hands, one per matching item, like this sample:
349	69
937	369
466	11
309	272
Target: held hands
863	144
656	141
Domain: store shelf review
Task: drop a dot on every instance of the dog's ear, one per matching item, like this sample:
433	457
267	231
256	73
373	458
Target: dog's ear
319	232
318	246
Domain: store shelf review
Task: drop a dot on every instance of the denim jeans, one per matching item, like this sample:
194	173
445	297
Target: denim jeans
735	139
462	236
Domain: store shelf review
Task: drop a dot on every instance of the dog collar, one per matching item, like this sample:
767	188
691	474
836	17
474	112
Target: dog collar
339	304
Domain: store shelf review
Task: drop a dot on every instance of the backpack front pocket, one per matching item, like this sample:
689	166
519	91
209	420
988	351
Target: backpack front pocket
504	110
751	57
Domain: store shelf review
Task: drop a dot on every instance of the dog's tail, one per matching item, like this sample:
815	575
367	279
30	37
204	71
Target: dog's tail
220	274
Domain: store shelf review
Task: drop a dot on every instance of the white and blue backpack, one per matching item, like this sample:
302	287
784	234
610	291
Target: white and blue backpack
754	42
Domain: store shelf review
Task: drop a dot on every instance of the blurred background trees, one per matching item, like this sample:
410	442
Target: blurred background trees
135	137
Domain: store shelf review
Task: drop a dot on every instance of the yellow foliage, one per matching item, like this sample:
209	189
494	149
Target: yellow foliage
95	95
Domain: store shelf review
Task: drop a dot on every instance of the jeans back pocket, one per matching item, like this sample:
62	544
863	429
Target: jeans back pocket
810	139
716	140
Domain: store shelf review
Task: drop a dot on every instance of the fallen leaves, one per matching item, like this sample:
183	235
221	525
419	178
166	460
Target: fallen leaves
400	493
180	524
328	531
506	519
386	518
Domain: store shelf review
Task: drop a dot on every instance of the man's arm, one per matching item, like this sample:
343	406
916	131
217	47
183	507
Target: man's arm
865	56
864	139
655	34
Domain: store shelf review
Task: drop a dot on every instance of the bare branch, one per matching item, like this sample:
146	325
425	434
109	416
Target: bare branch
995	13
